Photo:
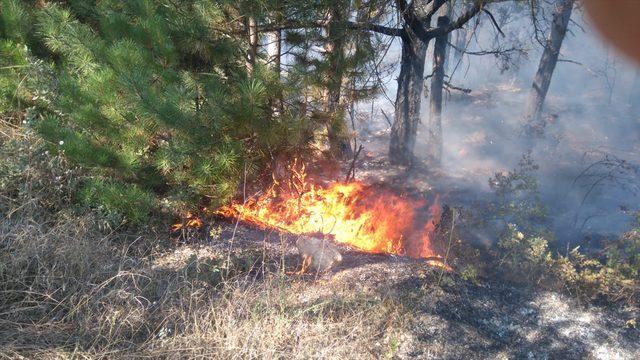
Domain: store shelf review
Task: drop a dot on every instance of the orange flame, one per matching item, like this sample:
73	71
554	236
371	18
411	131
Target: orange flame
189	221
369	218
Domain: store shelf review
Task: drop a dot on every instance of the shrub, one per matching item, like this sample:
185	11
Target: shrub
117	201
146	94
527	253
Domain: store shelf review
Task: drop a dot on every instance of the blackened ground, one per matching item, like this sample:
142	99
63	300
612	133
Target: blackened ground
447	316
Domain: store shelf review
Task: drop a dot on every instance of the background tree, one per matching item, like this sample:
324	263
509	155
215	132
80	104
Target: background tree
155	94
416	33
561	16
434	139
323	62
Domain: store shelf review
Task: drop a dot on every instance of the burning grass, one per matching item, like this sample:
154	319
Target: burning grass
369	218
72	287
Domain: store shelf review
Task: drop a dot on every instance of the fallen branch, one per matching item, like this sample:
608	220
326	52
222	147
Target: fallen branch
351	174
449	86
386	117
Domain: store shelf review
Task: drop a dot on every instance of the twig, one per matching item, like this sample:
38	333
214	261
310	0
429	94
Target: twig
453	87
386	117
493	20
351	174
235	227
446	255
498	51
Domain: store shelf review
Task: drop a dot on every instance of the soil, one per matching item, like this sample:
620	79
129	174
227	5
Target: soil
452	317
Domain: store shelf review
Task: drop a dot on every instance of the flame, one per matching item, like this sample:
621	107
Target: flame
369	218
189	221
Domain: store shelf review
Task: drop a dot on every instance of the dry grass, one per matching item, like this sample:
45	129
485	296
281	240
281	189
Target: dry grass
68	291
71	287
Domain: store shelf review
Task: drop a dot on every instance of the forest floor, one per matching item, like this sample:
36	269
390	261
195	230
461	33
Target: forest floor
233	295
445	315
71	287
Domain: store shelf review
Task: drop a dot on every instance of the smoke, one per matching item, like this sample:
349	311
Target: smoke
590	111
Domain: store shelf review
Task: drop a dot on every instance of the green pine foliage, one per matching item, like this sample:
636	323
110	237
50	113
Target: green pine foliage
14	62
156	96
151	95
113	199
358	54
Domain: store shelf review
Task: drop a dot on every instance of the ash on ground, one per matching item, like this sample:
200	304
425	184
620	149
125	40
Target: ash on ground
448	316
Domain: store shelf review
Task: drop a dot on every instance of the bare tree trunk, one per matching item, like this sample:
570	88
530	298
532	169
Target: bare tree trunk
274	52
542	80
252	52
434	141
415	40
447	10
408	99
335	53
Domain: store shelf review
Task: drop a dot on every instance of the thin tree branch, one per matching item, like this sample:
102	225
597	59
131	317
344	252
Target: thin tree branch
375	28
463	19
453	87
317	24
493	20
484	52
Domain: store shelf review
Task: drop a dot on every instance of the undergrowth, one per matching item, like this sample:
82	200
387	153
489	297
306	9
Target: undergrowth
528	253
77	283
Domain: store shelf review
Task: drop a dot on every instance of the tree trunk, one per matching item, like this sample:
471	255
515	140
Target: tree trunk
542	80
335	54
274	52
447	10
252	52
434	141
408	99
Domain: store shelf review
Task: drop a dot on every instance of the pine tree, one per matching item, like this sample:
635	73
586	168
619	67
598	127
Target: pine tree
15	67
154	98
178	100
335	61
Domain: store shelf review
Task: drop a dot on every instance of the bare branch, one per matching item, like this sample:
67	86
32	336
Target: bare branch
453	87
495	23
485	52
386	117
463	19
317	24
375	28
433	7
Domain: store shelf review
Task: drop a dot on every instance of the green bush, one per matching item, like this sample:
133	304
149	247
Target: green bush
117	201
153	94
527	253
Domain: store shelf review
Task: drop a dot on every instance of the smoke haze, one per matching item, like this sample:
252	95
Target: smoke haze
590	112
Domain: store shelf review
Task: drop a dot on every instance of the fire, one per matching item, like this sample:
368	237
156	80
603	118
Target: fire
190	220
369	218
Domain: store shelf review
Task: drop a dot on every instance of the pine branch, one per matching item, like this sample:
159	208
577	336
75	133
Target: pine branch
296	25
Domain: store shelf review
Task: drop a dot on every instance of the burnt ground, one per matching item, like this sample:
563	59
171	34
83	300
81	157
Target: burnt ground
453	315
446	315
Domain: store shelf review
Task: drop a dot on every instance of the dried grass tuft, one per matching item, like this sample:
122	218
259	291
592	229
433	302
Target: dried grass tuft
71	287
